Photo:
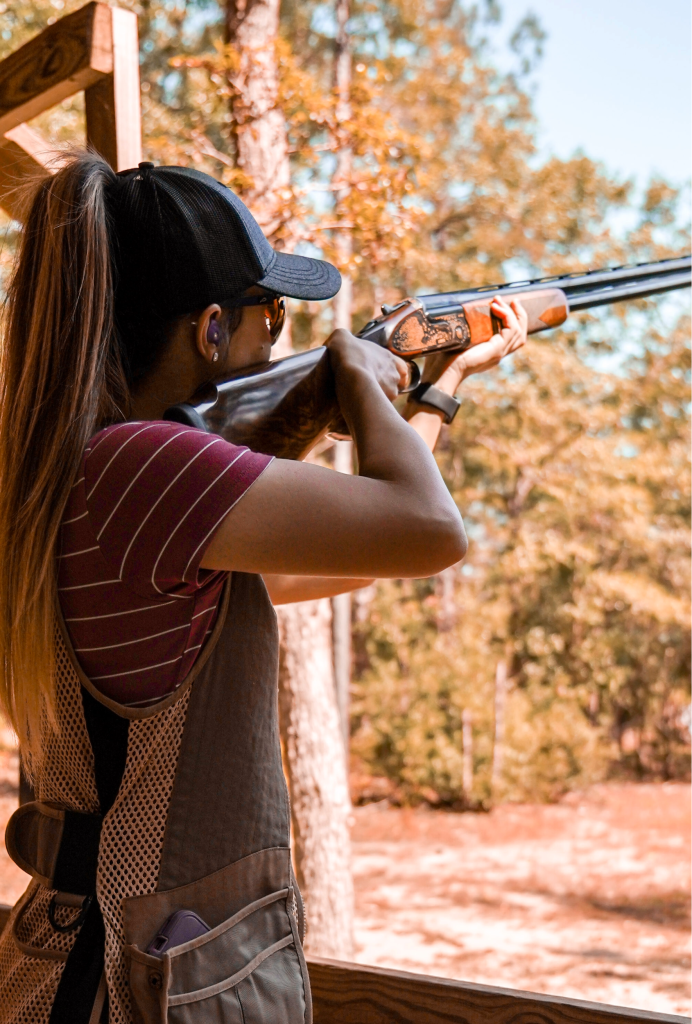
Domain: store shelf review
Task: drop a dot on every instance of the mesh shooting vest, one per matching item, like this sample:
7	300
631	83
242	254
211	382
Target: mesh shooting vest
143	812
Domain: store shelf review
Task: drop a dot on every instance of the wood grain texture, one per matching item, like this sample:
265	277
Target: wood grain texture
113	116
545	308
70	55
24	154
351	994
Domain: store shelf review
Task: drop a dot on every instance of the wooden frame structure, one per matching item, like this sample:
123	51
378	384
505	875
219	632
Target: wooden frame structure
95	49
345	993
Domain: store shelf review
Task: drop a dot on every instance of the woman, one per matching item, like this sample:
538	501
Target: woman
138	639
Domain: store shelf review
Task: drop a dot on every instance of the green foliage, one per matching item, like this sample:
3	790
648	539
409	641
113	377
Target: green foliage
570	466
575	489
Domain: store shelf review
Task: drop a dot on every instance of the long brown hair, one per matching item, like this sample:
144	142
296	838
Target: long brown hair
61	377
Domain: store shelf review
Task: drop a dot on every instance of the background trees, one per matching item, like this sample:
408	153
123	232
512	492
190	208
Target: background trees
569	624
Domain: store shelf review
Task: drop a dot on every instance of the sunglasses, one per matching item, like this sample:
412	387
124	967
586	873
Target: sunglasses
275	311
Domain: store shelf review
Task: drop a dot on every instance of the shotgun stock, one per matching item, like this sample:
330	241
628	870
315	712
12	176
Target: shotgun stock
285	407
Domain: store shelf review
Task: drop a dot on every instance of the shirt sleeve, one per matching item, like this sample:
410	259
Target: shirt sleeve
156	493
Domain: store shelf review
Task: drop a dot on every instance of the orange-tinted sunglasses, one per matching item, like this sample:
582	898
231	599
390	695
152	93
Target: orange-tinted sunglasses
275	311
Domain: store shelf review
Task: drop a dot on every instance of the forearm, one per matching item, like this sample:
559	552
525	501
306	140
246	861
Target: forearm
426	421
387	449
289	589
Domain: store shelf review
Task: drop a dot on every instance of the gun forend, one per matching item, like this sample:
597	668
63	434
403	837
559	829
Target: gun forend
409	331
545	309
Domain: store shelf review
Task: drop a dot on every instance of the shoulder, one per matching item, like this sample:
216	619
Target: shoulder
156	491
155	464
157	448
133	440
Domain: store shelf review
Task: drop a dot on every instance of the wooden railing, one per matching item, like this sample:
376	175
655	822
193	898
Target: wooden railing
350	994
345	993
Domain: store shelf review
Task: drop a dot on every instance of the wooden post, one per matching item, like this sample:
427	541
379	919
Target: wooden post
113	117
94	49
70	55
24	154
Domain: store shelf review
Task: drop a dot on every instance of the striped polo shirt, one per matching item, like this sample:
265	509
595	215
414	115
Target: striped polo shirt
148	498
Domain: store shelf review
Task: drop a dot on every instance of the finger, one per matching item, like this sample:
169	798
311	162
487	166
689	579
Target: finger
404	370
521	314
510	319
500	308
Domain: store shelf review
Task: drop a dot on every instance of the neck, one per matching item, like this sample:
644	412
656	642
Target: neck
174	379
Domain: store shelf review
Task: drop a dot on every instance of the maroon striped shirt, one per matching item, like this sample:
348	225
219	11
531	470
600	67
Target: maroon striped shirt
147	501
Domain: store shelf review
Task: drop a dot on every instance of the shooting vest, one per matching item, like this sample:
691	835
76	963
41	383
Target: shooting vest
143	812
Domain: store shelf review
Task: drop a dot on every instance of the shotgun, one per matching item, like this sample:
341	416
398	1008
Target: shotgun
285	407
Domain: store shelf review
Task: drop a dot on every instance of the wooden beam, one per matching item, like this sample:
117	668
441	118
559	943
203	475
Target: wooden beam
70	55
113	104
350	994
24	155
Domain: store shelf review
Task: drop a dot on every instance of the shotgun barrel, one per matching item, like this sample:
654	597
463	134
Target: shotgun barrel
284	407
583	291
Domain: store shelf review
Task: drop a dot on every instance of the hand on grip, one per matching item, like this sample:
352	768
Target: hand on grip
512	336
352	358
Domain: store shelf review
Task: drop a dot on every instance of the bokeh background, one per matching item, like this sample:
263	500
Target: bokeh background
492	142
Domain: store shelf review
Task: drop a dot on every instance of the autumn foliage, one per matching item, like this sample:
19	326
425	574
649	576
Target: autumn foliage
570	465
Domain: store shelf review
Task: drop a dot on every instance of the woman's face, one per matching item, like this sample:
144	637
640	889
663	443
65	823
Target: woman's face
251	343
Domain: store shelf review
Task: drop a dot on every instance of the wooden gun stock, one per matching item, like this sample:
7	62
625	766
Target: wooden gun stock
281	408
545	309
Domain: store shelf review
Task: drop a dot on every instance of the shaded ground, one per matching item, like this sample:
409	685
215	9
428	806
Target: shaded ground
588	898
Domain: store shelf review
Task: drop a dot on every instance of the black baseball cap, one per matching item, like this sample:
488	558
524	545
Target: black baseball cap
182	240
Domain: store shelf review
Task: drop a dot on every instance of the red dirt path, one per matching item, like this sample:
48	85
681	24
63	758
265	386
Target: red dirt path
587	898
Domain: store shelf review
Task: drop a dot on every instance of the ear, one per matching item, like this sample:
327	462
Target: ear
205	342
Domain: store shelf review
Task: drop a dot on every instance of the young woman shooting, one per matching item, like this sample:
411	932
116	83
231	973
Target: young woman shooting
138	561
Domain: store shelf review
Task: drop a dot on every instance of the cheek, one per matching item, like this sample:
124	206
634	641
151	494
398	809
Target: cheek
251	343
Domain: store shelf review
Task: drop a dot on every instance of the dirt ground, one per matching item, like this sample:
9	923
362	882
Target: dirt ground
588	898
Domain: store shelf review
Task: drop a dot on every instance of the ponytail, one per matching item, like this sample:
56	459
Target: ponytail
61	377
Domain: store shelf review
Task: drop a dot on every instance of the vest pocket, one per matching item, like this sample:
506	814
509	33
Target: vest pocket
247	970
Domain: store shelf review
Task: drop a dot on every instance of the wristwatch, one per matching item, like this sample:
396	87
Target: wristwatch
427	394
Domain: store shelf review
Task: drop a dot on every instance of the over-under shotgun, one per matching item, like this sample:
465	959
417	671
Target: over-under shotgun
284	407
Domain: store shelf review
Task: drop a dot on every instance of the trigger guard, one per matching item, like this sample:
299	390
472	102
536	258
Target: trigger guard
415	379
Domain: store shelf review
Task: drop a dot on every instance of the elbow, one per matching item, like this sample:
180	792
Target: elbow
453	542
446	543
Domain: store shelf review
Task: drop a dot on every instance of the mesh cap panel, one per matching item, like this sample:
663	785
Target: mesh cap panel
182	241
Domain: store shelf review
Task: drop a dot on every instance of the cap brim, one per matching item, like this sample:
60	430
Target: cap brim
300	277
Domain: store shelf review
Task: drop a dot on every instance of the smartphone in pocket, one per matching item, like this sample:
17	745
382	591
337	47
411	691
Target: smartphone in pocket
181	926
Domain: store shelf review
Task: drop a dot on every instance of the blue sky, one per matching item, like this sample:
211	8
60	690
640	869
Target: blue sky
614	81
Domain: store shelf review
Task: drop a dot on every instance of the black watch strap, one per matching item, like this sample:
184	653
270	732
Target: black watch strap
427	394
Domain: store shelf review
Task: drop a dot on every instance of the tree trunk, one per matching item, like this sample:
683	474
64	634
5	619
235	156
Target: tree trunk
342	307
341	623
467	753
259	128
343	242
310	726
499	740
320	800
